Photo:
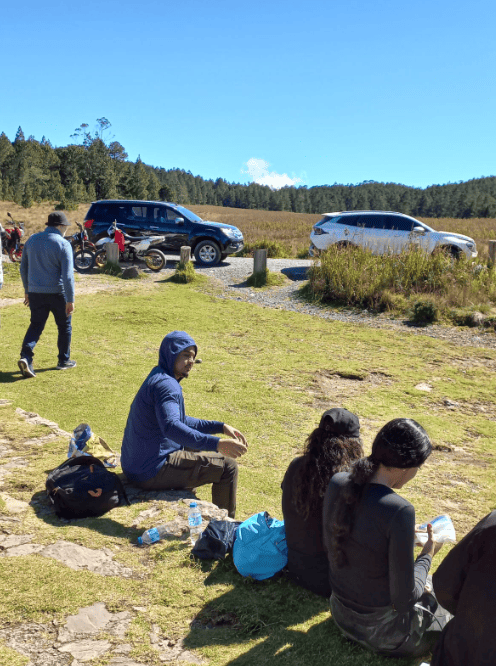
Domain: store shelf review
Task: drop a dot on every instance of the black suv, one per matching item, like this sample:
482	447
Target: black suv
210	242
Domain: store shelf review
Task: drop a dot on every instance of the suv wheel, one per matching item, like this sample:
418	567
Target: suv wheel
207	253
450	250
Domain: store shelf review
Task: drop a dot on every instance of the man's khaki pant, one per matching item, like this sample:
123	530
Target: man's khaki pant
187	469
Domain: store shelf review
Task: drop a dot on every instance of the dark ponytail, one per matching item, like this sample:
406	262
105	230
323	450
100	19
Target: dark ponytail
401	443
343	514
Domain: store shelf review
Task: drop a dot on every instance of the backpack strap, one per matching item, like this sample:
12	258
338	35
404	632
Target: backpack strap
120	487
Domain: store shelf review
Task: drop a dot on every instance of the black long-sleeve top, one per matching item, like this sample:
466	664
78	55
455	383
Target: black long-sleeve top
381	569
307	559
465	584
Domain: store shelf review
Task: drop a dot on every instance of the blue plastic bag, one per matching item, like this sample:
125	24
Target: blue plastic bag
260	548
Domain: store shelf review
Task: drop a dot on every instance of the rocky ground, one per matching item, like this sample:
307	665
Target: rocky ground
94	632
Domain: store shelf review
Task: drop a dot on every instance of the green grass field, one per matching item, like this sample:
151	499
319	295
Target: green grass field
270	373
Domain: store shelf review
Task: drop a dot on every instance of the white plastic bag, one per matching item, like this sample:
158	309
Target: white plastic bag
443	531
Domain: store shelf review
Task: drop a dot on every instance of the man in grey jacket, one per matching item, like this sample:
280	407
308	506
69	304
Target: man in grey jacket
47	272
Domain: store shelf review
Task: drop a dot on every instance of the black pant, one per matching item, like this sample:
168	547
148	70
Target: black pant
41	305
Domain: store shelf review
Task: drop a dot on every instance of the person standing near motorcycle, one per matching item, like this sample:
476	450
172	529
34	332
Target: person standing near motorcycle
47	272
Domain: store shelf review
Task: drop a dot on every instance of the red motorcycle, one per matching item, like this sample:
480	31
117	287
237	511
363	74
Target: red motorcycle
11	240
84	250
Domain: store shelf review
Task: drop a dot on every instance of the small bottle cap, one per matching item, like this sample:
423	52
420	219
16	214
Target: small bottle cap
140	541
192	504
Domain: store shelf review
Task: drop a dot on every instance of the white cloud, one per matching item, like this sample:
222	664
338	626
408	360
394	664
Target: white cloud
258	170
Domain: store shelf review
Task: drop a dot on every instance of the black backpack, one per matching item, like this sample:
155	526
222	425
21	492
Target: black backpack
82	486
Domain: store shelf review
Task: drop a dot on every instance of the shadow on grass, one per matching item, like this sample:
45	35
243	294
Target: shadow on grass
105	525
277	614
15	375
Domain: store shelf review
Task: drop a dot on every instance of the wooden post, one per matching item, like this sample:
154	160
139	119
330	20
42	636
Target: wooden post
260	261
492	251
185	254
112	250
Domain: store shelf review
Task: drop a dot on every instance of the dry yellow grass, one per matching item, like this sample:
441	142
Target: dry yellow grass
292	229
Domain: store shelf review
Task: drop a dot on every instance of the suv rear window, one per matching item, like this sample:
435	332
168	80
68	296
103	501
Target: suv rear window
400	223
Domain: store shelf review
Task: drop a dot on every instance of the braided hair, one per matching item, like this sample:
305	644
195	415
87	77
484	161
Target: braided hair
402	444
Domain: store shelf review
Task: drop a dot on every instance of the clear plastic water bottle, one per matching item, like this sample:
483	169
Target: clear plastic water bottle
194	522
153	535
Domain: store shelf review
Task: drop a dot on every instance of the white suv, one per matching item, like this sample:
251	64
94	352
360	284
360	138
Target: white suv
384	232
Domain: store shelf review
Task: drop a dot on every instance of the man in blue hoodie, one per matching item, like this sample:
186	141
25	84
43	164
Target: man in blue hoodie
163	448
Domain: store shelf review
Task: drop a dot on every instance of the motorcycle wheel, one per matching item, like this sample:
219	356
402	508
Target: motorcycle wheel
155	260
101	258
84	260
16	254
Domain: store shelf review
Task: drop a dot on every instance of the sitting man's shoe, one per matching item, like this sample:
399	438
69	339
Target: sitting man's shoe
66	365
26	368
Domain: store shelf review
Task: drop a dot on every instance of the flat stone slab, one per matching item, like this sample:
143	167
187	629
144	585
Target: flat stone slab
36	642
14	540
72	555
92	620
25	549
86	650
79	557
36	419
424	387
14	463
13	505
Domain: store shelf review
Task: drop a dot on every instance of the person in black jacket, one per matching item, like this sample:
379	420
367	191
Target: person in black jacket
330	448
378	591
465	584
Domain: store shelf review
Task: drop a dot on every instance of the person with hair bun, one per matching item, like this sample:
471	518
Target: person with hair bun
378	590
330	448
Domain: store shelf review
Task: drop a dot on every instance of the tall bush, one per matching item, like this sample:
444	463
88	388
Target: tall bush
356	277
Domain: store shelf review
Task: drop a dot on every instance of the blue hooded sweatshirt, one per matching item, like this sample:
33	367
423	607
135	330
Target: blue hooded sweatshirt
157	424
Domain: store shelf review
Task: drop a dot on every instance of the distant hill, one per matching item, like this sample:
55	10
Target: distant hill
33	171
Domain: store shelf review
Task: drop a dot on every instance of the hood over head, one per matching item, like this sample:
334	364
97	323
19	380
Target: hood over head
172	345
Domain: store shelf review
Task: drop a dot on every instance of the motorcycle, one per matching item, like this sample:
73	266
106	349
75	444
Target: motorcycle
132	248
11	240
84	250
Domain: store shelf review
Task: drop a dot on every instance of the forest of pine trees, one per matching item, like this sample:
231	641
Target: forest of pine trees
92	168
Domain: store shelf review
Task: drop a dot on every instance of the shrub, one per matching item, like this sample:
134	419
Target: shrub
67	205
265	279
184	273
424	312
302	253
389	301
354	276
111	268
275	249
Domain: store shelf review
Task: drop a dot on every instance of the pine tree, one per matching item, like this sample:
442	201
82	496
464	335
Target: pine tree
27	198
153	186
139	184
19	135
92	192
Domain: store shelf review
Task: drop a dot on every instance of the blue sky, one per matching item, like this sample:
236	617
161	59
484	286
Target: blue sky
279	92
